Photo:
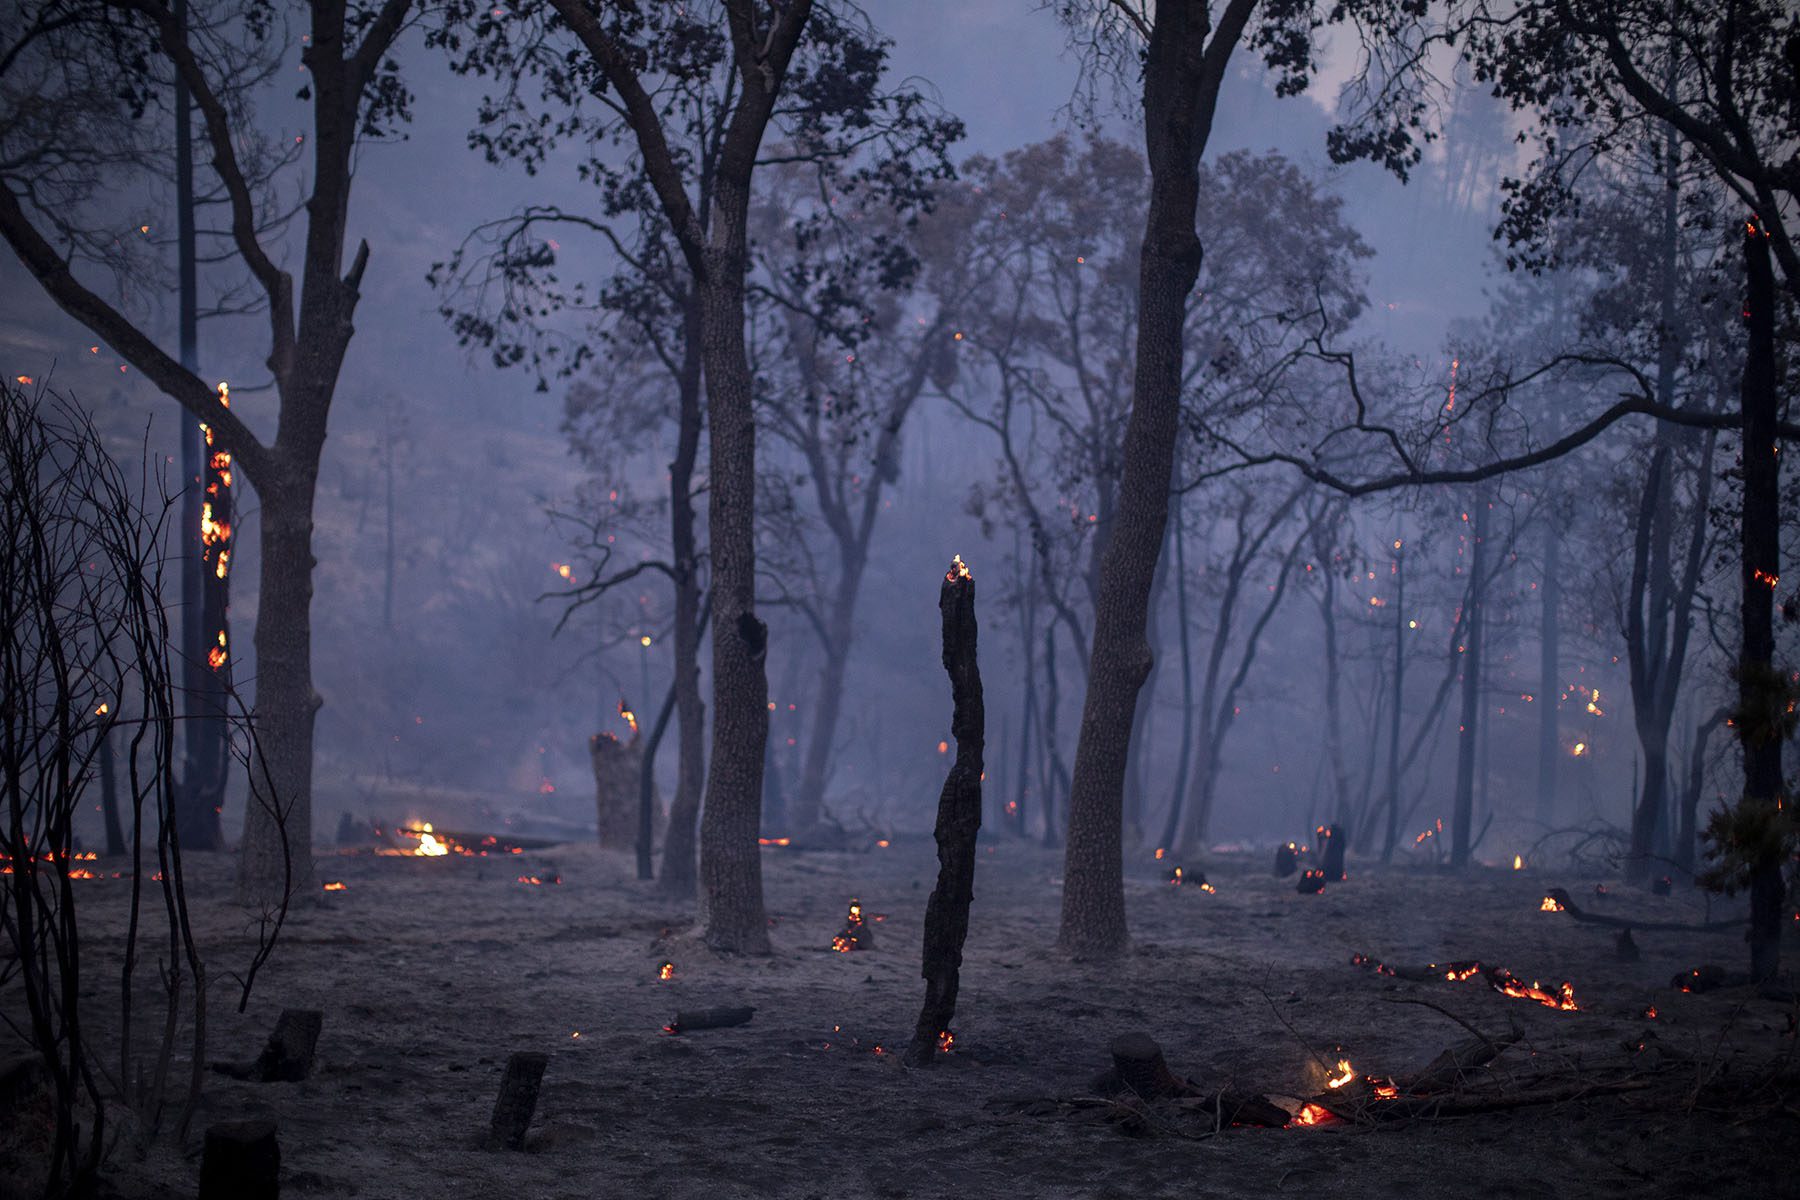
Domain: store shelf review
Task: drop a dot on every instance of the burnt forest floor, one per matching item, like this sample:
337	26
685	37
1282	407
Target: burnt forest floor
429	972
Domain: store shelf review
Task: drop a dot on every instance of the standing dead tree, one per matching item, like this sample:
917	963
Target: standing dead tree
85	656
958	822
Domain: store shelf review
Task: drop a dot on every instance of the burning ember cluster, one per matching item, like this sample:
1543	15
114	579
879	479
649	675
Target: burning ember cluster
1501	980
856	934
432	844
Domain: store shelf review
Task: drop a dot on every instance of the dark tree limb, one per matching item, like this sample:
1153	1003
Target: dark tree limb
1561	897
958	820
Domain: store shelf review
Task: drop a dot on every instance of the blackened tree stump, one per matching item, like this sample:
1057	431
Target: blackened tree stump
1332	843
958	820
1140	1066
518	1099
242	1161
288	1056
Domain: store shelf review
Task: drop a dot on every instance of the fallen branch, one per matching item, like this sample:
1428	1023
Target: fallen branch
1565	903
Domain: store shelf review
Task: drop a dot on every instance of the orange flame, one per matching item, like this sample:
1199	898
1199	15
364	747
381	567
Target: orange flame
946	1039
1345	1074
336	885
666	971
959	570
1313	1114
1550	905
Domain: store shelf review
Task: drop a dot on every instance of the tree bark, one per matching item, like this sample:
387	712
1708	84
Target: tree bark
958	821
1760	690
1393	755
1182	73
1463	811
679	865
1549	748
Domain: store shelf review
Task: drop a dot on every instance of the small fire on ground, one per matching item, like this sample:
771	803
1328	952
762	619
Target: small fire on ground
856	934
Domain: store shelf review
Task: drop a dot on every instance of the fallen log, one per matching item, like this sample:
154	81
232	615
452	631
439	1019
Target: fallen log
1564	903
1455	1063
709	1018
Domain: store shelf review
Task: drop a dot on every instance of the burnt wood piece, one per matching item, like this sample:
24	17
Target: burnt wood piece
1625	948
958	821
288	1056
1331	845
1312	882
1562	897
1138	1064
1139	1067
1464	1058
1287	860
517	1100
242	1161
1708	977
710	1018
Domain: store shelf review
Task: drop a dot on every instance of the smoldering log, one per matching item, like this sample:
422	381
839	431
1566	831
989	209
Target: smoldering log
710	1018
288	1056
958	820
1287	860
242	1161
1563	902
518	1098
1459	1061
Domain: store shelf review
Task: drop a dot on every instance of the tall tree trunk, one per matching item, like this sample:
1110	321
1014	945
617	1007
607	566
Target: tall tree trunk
808	807
1463	813
1685	839
1762	692
678	866
1549	749
1182	74
1393	755
1334	715
1172	822
205	754
1056	775
730	863
276	851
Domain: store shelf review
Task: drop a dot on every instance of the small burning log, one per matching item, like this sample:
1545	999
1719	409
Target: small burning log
709	1018
288	1056
242	1161
1709	977
1287	860
958	820
517	1100
1312	882
856	934
1331	851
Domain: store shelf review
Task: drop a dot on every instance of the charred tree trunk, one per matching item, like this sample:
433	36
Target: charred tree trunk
1334	709
1056	775
730	865
1184	758
1763	693
678	878
958	822
1549	749
1685	836
109	798
1393	754
1463	812
1183	70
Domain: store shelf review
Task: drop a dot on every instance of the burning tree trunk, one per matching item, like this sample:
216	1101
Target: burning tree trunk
958	821
1182	74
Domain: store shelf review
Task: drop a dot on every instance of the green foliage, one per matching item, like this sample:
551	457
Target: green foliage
1742	838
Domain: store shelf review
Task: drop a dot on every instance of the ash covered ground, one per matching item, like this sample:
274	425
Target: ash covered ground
431	971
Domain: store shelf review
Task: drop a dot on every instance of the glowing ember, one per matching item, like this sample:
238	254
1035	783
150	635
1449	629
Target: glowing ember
1563	998
1550	905
629	717
1345	1074
774	841
1208	888
429	846
943	747
959	570
1650	1012
855	935
1518	863
946	1039
1159	853
1312	882
1313	1114
335	885
666	971
539	881
1175	877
